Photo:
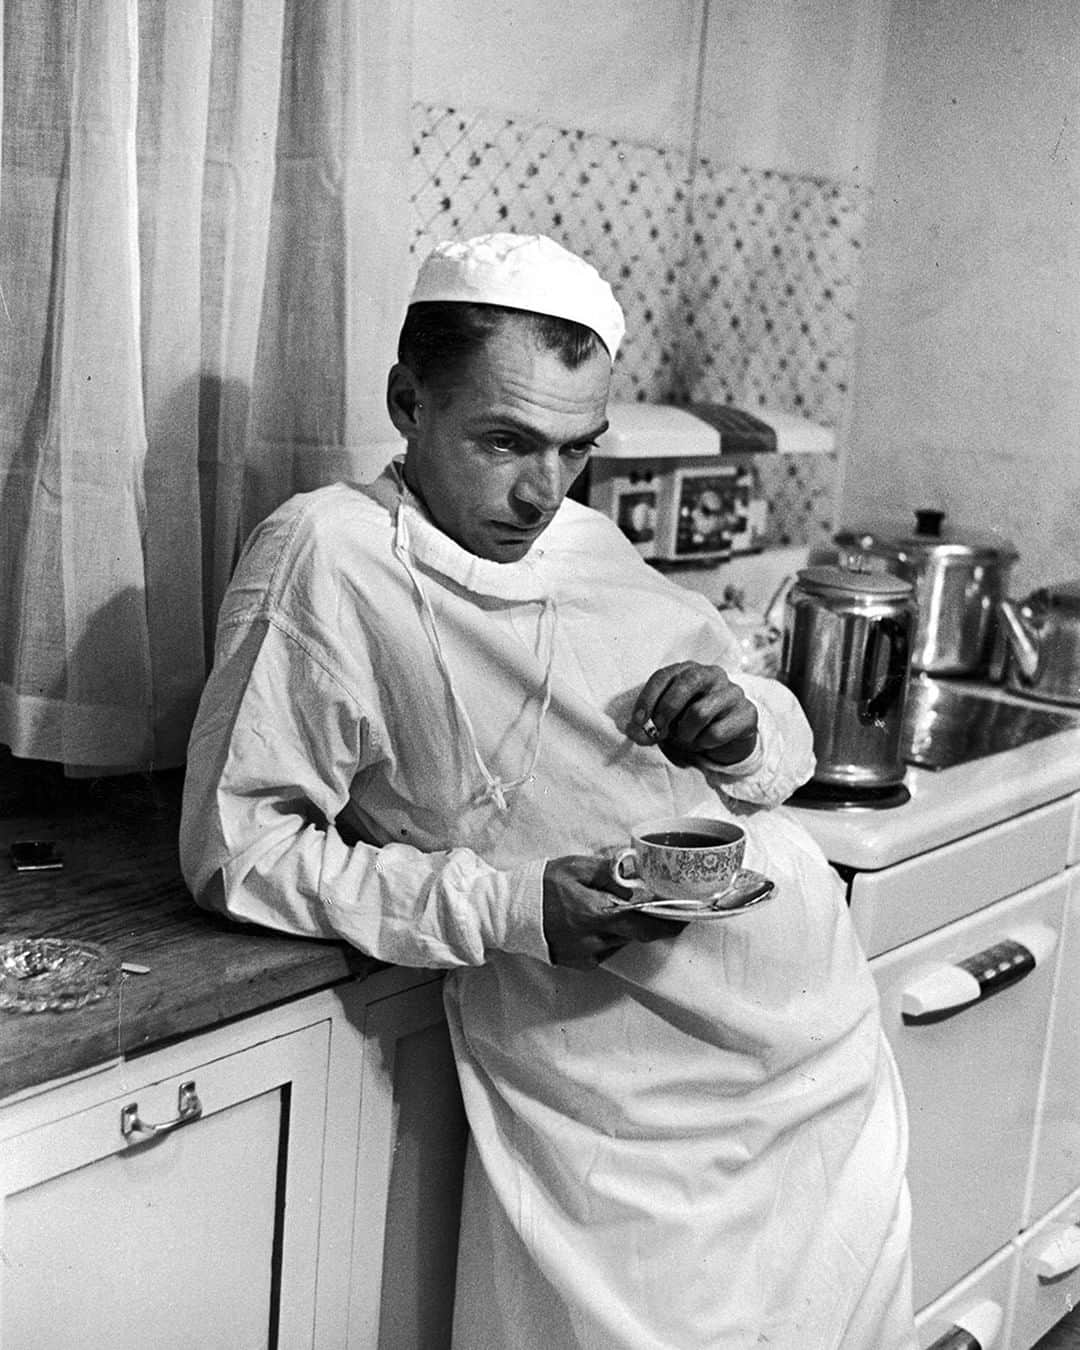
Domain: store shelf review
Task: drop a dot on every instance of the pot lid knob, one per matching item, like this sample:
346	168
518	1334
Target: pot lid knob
929	521
1063	595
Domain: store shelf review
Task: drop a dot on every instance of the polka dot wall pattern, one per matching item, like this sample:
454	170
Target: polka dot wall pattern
738	285
620	206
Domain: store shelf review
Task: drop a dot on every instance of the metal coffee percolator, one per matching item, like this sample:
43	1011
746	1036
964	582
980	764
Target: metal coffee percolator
846	656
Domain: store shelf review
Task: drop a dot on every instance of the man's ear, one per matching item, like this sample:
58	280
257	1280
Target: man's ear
403	399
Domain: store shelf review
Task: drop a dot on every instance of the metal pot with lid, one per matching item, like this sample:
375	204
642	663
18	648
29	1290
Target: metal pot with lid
959	575
1042	641
845	658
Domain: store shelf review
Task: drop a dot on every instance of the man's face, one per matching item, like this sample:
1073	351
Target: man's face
493	457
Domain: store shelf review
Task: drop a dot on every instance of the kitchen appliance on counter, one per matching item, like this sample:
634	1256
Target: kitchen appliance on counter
670	480
845	657
966	899
1041	644
959	575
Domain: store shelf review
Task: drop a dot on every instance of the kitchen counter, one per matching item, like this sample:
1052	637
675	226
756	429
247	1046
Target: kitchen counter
121	888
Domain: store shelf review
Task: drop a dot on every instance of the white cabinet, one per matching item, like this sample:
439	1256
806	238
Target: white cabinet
899	904
172	1201
971	1078
290	1180
412	1143
1056	1167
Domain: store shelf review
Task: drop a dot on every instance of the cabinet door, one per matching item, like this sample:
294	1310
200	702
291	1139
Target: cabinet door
411	1157
200	1232
971	1078
1056	1171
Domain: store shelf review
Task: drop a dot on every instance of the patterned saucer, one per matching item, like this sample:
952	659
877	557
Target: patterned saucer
748	890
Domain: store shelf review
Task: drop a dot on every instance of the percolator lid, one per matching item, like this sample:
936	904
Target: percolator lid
850	581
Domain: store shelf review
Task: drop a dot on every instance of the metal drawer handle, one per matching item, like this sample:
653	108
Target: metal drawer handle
1059	1254
944	990
975	1328
188	1108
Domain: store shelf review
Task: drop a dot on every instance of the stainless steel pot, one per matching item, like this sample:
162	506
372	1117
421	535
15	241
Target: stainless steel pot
959	576
1042	644
845	657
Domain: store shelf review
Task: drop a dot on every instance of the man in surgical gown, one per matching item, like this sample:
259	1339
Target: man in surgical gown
438	702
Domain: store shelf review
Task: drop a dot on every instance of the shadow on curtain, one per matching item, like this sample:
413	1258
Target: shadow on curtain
203	258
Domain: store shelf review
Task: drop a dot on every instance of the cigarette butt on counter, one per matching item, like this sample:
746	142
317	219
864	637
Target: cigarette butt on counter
134	968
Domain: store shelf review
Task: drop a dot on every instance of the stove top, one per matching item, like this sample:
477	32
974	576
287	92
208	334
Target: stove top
947	722
987	766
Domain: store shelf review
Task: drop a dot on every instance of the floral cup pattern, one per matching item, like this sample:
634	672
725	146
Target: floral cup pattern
658	860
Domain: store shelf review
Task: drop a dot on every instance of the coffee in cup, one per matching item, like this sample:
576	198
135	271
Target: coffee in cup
690	859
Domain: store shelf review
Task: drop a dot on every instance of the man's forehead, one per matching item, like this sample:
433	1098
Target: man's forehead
514	377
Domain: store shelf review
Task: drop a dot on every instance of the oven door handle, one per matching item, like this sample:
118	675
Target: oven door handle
943	990
1058	1254
975	1328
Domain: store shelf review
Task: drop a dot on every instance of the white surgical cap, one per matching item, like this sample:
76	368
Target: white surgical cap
522	271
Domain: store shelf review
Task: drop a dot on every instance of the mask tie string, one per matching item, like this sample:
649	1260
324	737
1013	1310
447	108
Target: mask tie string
494	788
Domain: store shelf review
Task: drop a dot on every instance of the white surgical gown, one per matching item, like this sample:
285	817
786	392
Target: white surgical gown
699	1145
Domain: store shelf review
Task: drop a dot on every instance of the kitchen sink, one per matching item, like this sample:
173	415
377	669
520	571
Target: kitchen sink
949	723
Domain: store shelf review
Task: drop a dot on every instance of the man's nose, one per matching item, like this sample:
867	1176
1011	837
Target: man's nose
540	486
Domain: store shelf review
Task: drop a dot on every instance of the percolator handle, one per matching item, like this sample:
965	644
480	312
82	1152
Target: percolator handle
874	703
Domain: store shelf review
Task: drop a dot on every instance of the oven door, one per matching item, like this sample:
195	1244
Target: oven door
966	1010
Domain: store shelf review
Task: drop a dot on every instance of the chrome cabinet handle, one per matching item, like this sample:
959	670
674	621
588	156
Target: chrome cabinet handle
976	1328
943	990
1059	1253
956	1338
188	1108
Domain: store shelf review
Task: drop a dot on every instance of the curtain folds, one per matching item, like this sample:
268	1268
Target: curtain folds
203	254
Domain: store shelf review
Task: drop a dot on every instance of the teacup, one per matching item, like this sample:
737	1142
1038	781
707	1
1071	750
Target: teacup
692	859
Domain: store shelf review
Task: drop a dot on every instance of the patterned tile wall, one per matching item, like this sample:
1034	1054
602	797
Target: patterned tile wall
738	285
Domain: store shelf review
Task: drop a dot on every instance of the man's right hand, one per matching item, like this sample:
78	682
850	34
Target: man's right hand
580	924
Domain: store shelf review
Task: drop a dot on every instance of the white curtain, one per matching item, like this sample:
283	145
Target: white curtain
203	259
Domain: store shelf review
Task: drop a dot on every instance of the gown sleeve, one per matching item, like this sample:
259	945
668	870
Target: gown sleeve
276	745
783	758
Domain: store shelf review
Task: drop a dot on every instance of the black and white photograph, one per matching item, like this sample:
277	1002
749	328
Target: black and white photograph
539	675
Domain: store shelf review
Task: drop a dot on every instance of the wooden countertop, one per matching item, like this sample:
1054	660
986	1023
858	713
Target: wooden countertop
121	888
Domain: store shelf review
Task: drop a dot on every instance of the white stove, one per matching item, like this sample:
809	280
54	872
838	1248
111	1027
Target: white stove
967	901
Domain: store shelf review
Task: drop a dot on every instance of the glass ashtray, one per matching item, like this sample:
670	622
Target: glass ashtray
53	974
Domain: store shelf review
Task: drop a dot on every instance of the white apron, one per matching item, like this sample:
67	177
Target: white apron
702	1145
699	1145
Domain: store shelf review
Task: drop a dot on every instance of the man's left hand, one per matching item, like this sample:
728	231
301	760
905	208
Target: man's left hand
690	710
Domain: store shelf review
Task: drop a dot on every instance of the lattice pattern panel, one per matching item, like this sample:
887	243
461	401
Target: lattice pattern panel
773	269
621	206
745	293
801	492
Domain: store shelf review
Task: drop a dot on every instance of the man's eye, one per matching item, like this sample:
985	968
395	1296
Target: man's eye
501	443
580	451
